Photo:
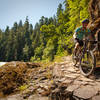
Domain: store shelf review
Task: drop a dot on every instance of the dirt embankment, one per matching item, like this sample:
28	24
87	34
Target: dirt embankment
15	74
94	10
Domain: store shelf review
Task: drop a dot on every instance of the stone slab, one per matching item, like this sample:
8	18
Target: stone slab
85	92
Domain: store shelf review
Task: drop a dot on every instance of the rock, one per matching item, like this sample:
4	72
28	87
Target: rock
96	97
37	97
61	80
82	78
15	97
77	82
32	65
97	86
94	9
71	69
72	76
67	81
71	88
3	99
85	92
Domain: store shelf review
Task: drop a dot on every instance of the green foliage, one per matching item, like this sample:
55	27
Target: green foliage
49	38
23	87
78	10
49	50
25	52
39	52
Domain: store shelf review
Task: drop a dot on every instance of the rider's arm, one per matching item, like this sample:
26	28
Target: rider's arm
76	33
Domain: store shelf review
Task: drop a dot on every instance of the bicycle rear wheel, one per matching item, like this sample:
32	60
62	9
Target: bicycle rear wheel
87	63
75	57
74	60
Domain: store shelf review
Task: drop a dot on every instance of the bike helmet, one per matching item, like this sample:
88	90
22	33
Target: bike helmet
85	21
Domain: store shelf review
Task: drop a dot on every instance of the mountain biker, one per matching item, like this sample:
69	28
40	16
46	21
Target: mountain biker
80	33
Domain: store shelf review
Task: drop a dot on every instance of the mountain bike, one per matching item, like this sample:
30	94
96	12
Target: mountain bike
85	58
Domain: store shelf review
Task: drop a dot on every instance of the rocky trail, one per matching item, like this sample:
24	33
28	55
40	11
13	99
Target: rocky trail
60	81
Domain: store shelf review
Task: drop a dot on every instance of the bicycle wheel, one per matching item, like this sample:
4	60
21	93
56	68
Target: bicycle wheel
87	63
75	57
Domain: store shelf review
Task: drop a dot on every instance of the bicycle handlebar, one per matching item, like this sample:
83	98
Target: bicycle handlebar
93	41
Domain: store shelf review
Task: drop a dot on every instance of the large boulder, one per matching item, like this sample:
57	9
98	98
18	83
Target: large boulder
94	9
94	25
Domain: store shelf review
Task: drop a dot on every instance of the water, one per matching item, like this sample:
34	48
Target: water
2	63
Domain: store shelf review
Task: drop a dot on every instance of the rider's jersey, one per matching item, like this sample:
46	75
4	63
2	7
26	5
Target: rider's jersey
80	33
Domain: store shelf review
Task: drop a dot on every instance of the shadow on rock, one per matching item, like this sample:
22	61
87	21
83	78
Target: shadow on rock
97	73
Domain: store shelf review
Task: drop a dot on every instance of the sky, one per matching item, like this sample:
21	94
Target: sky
15	10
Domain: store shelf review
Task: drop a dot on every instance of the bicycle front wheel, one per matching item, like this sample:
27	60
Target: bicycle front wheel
87	63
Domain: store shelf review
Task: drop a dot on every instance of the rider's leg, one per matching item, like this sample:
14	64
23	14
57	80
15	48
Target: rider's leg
80	45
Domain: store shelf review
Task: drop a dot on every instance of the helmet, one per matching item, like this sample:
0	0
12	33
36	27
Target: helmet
85	21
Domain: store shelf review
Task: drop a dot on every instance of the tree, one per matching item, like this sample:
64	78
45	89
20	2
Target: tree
49	37
78	10
20	23
59	9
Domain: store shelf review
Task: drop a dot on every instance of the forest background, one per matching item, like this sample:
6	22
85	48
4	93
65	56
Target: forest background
51	37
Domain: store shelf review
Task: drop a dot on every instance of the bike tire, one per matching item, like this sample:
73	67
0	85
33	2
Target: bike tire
75	61
87	69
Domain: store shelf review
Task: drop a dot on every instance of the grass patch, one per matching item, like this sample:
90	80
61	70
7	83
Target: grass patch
23	87
57	58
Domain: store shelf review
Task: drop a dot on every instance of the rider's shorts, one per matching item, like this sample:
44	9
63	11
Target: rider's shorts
79	41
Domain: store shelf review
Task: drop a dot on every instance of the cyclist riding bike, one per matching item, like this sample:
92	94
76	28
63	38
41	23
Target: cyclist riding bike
80	33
